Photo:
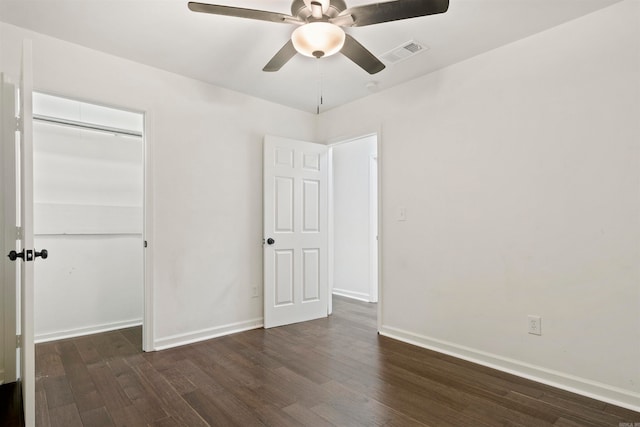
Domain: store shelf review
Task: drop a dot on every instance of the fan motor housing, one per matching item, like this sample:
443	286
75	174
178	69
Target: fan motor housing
300	9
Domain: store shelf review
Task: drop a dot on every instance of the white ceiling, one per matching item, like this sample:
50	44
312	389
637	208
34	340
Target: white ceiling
230	52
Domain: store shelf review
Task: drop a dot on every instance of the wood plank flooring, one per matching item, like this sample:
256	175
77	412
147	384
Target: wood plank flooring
328	372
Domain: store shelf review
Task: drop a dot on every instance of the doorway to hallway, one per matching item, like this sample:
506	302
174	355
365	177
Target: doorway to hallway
354	218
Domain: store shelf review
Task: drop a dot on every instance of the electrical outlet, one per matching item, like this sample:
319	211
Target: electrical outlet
535	324
254	291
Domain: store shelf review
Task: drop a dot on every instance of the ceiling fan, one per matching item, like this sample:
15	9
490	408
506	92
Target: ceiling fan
320	34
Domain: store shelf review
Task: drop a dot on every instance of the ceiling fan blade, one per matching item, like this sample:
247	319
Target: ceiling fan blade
361	56
282	57
377	13
343	21
260	15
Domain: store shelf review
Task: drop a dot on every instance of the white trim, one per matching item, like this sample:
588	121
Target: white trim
347	139
593	389
373	225
207	334
330	229
360	296
95	102
380	228
148	328
88	330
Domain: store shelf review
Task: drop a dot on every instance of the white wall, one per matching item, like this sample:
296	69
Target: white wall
520	172
88	284
351	211
206	163
88	215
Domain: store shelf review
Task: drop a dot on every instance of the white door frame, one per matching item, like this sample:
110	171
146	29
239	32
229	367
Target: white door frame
373	228
148	233
148	330
378	279
8	218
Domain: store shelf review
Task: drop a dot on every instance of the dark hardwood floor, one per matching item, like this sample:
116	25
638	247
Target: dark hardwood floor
334	371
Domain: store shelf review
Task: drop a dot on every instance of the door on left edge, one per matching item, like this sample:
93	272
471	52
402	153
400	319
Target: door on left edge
17	149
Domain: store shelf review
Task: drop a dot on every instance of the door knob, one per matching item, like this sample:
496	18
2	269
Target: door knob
44	254
270	241
13	255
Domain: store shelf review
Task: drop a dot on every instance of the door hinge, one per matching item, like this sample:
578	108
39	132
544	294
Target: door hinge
18	341
145	243
18	233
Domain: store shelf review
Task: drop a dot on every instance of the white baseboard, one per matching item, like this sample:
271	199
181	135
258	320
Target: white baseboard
596	390
360	296
206	334
87	330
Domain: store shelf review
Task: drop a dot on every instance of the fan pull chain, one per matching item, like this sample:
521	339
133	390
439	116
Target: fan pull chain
320	95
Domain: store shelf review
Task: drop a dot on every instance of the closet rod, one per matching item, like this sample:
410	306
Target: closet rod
82	125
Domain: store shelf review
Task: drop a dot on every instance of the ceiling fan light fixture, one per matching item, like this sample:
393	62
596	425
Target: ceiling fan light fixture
318	39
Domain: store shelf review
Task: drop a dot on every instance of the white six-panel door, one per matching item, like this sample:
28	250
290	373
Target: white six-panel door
27	348
18	232
295	231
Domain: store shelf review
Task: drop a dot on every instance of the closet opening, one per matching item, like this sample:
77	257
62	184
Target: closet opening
89	168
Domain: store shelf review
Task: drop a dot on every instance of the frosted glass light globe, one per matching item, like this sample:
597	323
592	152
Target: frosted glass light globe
318	39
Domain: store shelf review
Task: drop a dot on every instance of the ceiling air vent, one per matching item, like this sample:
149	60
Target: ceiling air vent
404	51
